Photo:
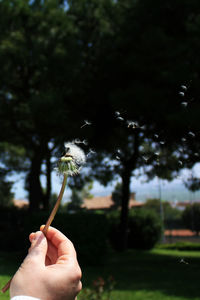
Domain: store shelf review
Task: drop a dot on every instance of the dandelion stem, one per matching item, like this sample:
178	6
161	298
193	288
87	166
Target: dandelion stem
54	210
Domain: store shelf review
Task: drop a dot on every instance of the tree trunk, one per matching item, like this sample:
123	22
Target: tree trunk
35	189
126	176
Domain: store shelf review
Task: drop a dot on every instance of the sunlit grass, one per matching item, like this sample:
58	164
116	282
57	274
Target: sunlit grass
155	275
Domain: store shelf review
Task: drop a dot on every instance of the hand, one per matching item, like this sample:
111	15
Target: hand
50	271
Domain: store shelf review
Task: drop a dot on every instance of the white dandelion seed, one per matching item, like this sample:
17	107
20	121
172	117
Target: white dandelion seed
191	134
91	152
182	94
184	87
117	113
184	104
120	118
162	142
145	158
86	122
156	136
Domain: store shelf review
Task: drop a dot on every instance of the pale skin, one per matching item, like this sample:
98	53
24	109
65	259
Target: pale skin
50	271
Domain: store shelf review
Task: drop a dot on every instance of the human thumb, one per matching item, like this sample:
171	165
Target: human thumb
38	247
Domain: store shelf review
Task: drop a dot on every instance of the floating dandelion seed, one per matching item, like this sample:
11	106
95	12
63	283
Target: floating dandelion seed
196	154
184	87
91	152
191	134
117	157
86	123
156	136
182	94
145	158
182	261
183	139
162	142
180	162
117	113
184	104
120	118
77	141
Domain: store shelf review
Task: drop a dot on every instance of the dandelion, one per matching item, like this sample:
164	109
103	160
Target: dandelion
162	142
156	136
117	113
68	165
182	94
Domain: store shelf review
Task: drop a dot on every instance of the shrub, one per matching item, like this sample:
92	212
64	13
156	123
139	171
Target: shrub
145	229
87	231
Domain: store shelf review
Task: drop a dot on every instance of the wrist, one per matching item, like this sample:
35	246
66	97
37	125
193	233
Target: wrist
21	297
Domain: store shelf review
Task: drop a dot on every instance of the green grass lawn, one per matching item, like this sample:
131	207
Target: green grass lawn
155	275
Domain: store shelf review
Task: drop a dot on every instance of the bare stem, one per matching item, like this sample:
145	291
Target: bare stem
48	223
54	210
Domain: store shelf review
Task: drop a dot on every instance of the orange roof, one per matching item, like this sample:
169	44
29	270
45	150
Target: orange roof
105	202
179	232
20	203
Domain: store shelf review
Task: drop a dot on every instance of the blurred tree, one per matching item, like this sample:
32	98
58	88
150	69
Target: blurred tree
6	196
191	217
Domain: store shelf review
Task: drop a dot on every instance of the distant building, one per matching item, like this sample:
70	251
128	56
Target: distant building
106	202
21	203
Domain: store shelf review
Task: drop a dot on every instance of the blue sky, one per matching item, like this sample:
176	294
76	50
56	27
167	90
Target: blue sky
173	191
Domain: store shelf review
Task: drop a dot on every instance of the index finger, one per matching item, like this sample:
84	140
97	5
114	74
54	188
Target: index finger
60	241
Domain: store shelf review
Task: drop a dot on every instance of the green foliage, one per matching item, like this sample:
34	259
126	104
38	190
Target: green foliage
117	195
88	232
6	196
145	229
171	215
191	217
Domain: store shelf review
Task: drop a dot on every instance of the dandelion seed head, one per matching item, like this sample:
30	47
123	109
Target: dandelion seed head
73	160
